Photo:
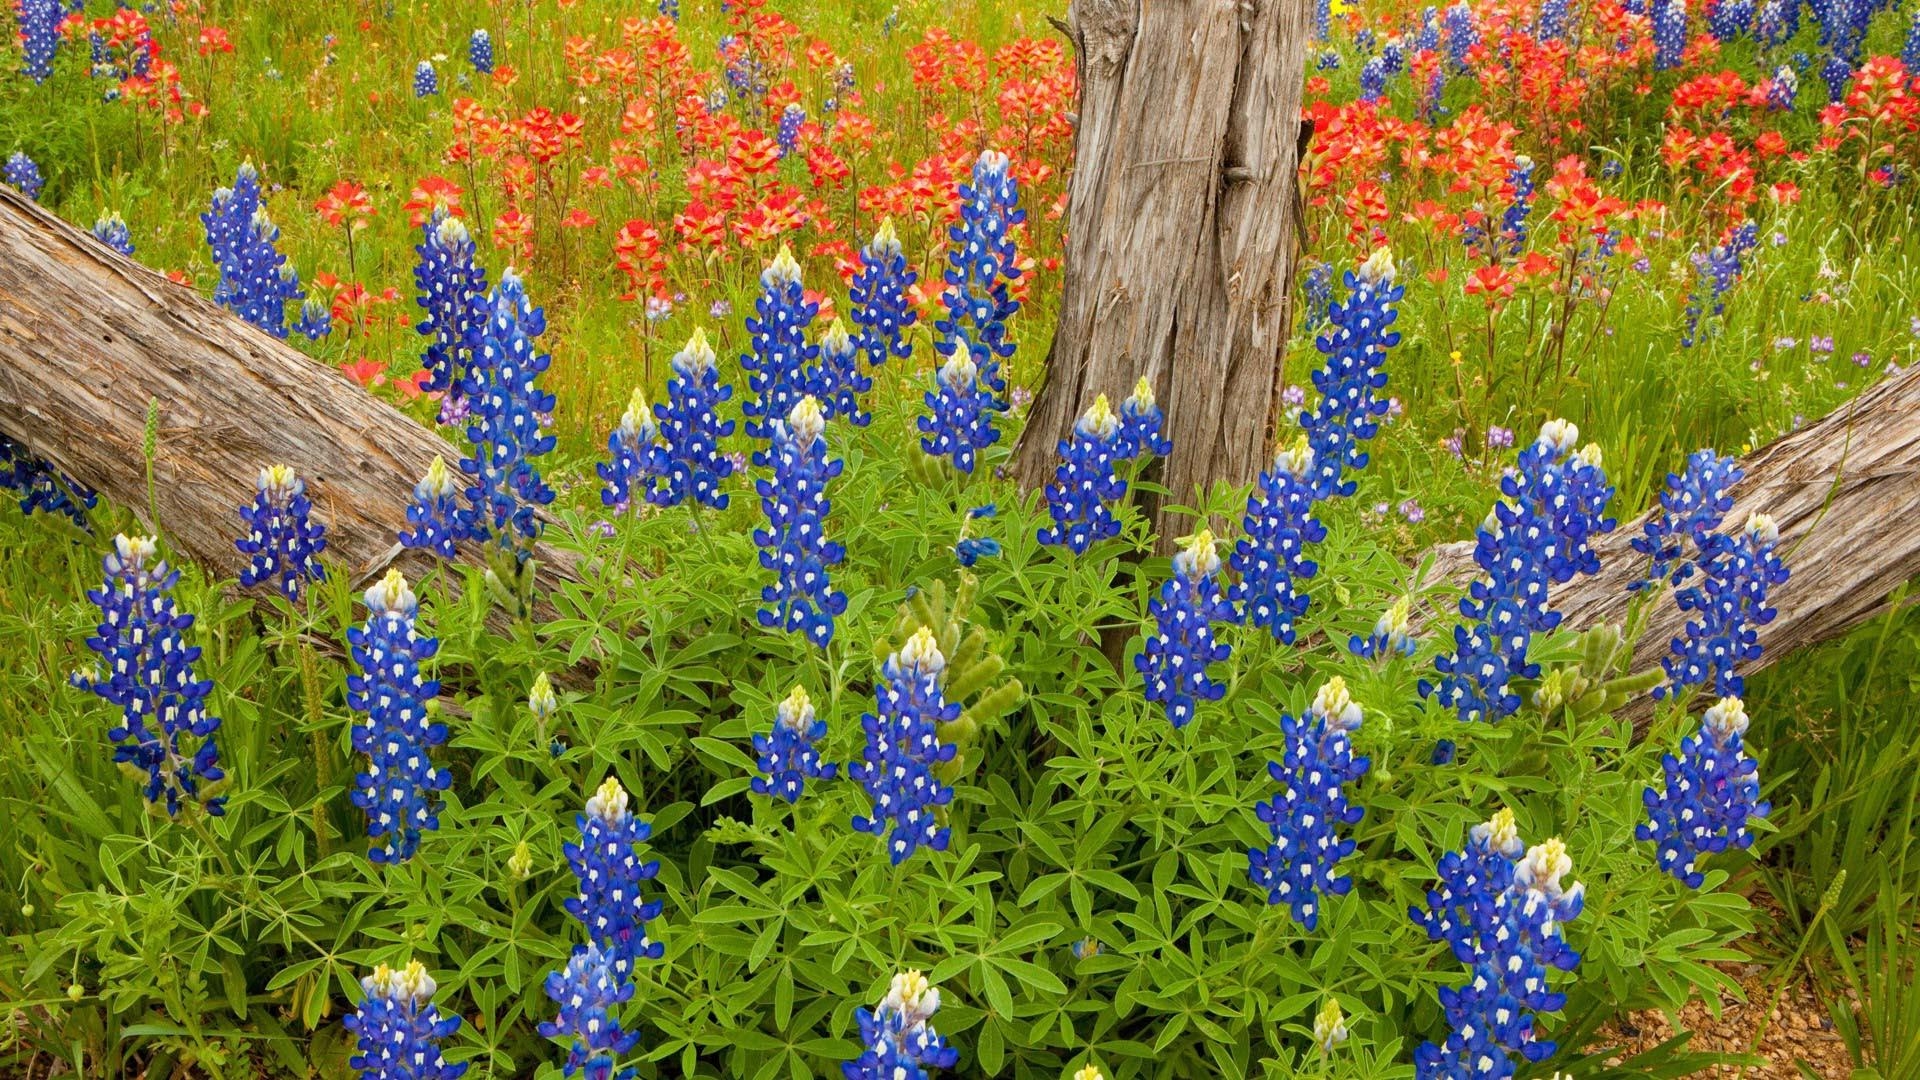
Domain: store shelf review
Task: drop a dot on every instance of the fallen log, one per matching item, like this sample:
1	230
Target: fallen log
89	337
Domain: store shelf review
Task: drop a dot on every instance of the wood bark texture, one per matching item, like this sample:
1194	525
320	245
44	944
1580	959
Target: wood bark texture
1181	233
1845	492
89	337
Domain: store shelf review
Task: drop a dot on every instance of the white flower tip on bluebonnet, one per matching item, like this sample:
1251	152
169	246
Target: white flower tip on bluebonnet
959	372
1336	706
1329	1026
280	484
806	421
921	654
796	712
1090	1072
1762	529
609	803
107	220
1500	833
1099	420
991	162
696	356
424	66
1296	460
450	231
1560	435
1378	267
438	483
911	996
391	594
407	984
1142	399
245	172
885	243
510	281
1590	455
135	551
782	271
1545	864
1725	719
541	700
1198	556
835	340
636	424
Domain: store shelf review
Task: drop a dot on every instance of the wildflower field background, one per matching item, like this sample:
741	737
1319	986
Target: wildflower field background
846	756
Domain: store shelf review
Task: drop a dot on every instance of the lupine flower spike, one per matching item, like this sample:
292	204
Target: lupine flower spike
438	520
453	294
1355	345
636	460
1304	819
1390	636
1329	1026
42	486
777	365
982	261
789	755
794	544
607	865
1271	558
282	540
398	1030
39	35
399	732
1712	792
968	548
897	1040
590	992
165	729
256	282
691	428
508	413
903	749
1691	508
1182	643
21	172
837	380
1085	485
1141	422
480	52
111	230
959	422
1729	606
426	81
879	297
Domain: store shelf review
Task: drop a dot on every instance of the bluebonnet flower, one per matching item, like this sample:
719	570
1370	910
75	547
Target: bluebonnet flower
970	549
1327	59
315	320
981	262
789	755
1536	537
39	36
1322	19
149	675
1552	24
903	750
691	428
1304	819
879	297
1669	33
1390	635
1501	913
1462	35
1271	558
256	283
896	1040
794	544
590	992
22	173
398	1029
1730	19
1182	644
453	295
1443	752
1355	346
960	415
636	459
837	381
480	52
426	81
1513	222
1393	55
1782	89
1910	52
779	358
111	230
283	540
1085	488
670	8
1712	791
1373	79
41	486
606	863
1317	289
507	412
787	132
399	731
1428	37
1843	29
1729	606
1363	41
438	520
1777	22
1142	424
1691	508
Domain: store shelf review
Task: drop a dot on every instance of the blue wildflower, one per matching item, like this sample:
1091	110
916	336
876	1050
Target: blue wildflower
22	173
896	1040
282	540
398	1029
426	81
879	298
970	549
1317	290
1712	791
691	428
1729	606
1182	644
1085	488
1777	22
794	544
960	415
508	411
41	486
397	788
1783	89
779	358
149	675
1373	79
1691	508
789	755
1297	868
1553	21
1462	35
1356	347
111	230
636	459
1390	635
590	992
1142	424
1910	52
1271	558
453	295
981	263
1669	33
1837	72
256	283
1730	19
607	866
837	381
39	37
315	320
903	750
438	520
480	52
1717	269
786	134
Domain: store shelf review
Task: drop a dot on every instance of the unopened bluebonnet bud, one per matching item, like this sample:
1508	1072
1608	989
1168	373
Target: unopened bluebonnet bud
1329	1026
542	702
283	542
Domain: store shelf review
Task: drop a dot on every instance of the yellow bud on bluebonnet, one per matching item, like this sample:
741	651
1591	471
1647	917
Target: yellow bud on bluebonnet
541	699
1329	1026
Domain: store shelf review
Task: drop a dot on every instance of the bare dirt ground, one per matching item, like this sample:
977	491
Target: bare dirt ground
1796	1031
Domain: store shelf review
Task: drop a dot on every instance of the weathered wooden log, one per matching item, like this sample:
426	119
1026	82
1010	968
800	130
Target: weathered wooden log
1180	248
1845	492
89	337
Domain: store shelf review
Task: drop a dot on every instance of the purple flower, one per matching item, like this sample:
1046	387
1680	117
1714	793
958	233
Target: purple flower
1499	438
1410	509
